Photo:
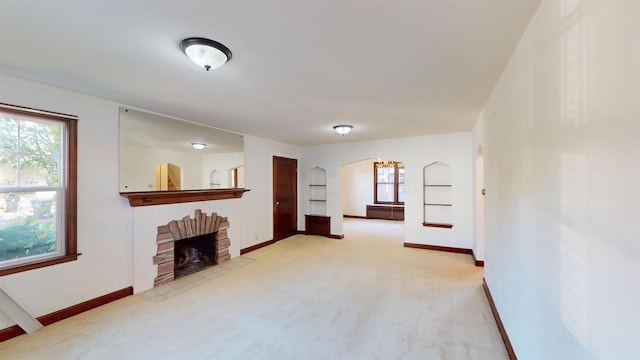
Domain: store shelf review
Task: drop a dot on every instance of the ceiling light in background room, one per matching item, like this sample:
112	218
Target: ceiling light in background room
385	163
198	146
343	129
205	53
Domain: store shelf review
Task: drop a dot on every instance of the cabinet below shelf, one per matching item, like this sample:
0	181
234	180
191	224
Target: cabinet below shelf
317	225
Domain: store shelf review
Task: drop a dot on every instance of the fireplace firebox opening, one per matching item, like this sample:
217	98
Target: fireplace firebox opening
187	245
193	254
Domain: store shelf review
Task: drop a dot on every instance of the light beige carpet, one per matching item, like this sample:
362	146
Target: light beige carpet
306	297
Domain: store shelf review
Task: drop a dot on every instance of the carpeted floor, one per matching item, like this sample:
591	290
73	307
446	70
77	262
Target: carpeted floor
306	297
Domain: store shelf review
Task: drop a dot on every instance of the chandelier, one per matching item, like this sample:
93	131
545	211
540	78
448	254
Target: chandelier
385	163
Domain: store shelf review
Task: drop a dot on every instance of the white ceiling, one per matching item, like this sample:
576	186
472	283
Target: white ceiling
390	68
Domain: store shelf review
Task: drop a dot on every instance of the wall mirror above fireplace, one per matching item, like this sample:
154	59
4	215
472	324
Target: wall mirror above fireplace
156	154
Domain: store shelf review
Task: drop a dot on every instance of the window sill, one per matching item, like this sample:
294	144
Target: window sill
37	265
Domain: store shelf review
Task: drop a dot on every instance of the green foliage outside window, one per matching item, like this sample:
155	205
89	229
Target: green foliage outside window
29	181
29	145
28	238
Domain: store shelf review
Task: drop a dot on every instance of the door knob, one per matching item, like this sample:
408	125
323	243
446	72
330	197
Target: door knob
277	203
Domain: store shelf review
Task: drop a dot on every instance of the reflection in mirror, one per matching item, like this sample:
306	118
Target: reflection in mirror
236	176
156	153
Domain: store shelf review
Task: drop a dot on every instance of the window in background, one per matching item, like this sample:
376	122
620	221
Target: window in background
389	182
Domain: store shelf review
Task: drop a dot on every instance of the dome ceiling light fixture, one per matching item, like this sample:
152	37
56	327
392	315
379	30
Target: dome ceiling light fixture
198	146
343	129
205	53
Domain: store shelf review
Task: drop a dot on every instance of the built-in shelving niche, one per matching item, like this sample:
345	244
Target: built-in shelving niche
317	222
318	192
438	204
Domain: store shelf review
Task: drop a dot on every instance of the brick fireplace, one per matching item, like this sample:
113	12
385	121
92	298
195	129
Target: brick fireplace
187	228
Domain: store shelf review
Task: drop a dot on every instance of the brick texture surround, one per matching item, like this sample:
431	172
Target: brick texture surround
175	230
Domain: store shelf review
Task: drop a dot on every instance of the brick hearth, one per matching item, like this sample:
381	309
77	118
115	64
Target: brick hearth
175	230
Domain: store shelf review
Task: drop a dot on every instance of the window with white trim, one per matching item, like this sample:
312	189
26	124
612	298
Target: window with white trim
37	188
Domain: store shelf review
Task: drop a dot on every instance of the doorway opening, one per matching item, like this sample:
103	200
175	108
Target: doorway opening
478	242
361	181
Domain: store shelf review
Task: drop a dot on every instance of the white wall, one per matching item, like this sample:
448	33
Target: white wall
104	226
562	170
415	153
357	187
258	204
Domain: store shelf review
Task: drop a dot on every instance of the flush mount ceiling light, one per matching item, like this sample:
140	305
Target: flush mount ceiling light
198	146
343	129
205	53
